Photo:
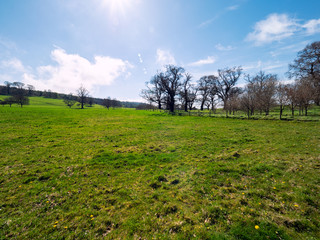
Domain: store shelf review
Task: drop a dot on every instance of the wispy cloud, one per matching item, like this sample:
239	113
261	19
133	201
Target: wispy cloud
72	70
233	7
220	47
312	26
164	57
13	64
274	28
218	15
208	60
280	26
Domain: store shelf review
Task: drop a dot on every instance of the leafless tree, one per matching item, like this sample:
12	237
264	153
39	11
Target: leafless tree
170	83
263	87
207	89
304	95
307	67
154	92
185	92
225	84
281	97
82	94
292	95
193	90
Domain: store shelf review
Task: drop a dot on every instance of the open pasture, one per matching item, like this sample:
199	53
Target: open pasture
127	174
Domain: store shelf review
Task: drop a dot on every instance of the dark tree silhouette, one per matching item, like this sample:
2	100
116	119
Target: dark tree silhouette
82	94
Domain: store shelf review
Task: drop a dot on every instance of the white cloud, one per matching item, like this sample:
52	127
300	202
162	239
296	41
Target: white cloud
220	47
312	26
208	60
274	28
165	57
73	70
233	7
13	64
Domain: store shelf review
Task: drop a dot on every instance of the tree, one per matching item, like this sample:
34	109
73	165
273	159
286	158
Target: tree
31	89
292	95
82	94
8	85
263	86
203	90
69	100
225	83
185	91
9	100
107	102
154	93
20	95
282	97
170	83
307	67
304	95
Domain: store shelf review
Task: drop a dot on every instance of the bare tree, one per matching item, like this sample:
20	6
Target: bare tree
292	95
282	97
263	87
307	67
82	94
185	91
304	95
226	82
154	92
170	83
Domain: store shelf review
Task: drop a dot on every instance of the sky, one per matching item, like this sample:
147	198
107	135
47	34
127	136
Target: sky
113	47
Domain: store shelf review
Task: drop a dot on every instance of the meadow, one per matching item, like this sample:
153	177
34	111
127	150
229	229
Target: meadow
95	173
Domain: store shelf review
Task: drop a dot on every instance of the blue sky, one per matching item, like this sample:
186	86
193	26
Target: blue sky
113	47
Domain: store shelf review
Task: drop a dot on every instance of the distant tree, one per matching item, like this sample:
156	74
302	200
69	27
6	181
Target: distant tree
31	89
204	86
154	92
225	84
8	85
69	100
282	97
247	102
263	87
292	95
193	90
115	103
82	94
9	100
107	103
170	83
186	91
20	94
304	95
90	101
307	67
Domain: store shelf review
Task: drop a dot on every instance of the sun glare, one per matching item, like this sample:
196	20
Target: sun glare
118	8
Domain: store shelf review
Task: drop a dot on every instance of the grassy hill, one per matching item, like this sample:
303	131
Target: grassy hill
124	174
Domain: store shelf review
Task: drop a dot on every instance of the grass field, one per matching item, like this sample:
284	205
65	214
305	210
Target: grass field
128	174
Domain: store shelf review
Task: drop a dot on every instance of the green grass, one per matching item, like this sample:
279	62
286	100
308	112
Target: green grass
125	174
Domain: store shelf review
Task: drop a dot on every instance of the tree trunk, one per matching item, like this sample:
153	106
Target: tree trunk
281	108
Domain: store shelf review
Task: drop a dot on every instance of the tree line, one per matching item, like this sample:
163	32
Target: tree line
173	88
19	93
